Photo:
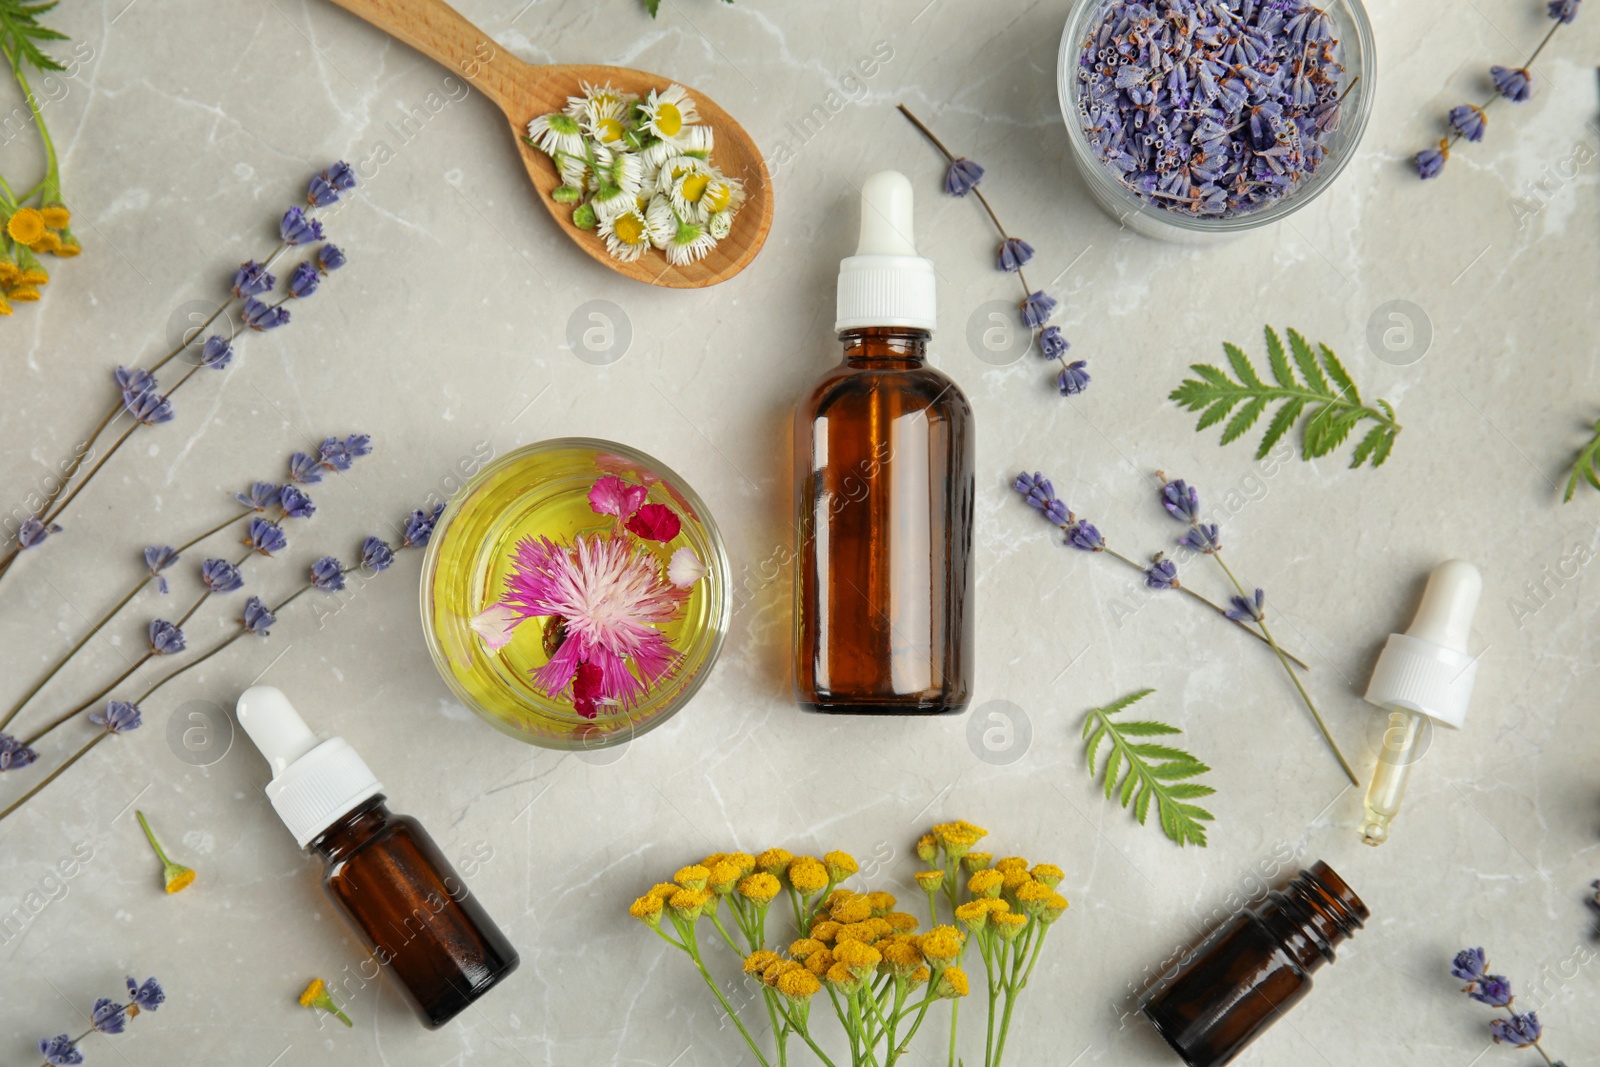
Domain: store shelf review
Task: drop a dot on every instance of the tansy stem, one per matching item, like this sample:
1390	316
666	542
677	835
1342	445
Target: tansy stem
1326	736
805	1035
151	837
955	1013
691	945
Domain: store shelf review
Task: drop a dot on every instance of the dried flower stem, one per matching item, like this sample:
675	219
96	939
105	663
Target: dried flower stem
1213	605
53	775
1311	707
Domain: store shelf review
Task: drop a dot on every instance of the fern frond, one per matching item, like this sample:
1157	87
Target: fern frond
1304	380
20	30
1148	771
1586	466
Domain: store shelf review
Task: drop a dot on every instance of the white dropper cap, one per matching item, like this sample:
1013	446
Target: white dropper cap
886	283
314	784
1427	668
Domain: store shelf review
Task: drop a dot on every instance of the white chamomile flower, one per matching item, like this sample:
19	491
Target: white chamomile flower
696	141
690	242
578	106
627	173
668	113
663	223
556	132
723	195
600	162
627	233
609	201
605	121
574	171
719	224
675	170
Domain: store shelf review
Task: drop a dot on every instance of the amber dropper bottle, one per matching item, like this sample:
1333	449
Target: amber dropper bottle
883	459
1253	968
408	904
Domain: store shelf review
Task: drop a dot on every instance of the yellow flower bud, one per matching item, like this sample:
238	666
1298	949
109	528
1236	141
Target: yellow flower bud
900	922
974	913
865	933
952	983
316	996
1011	863
1032	896
759	961
860	958
688	904
820	962
976	861
799	984
852	909
985	883
25	226
56	216
693	876
927	848
882	903
901	958
760	887
1048	873
647	909
1008	924
920	975
930	881
940	944
1053	909
841	865
804	947
664	890
722	877
778	968
808	876
775	861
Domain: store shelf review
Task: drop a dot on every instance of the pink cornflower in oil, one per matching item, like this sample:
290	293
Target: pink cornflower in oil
612	597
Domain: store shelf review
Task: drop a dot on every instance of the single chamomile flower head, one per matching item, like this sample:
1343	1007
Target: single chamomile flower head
557	132
696	141
683	180
606	120
611	200
689	243
719	224
667	113
627	234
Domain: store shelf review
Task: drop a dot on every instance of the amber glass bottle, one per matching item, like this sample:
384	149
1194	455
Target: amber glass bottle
884	493
413	910
1254	968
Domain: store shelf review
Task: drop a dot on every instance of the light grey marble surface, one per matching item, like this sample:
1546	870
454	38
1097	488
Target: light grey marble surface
194	124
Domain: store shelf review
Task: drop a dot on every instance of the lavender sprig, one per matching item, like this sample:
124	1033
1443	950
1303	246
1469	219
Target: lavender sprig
961	178
1182	502
256	619
107	1017
1520	1029
139	398
263	536
1468	122
1038	493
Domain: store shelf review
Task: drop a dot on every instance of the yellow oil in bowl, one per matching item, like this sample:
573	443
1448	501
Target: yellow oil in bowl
542	490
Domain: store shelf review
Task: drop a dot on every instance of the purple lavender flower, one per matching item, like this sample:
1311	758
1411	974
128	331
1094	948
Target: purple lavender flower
1470	965
118	718
1430	161
134	381
165	638
1513	83
265	537
1519	1030
303	282
1073	379
1014	253
158	558
1035	489
338	455
1469	121
148	407
59	1051
1181	500
108	1016
419	528
257	617
296	228
252	279
32	531
1493	990
217	352
307	470
260	497
295	503
1057	512
146	997
259	316
1161	574
220	576
376	555
327	574
319	193
1083	536
341	175
1037	308
1248	610
358	445
14	755
1564	10
330	258
962	177
1203	537
1051	344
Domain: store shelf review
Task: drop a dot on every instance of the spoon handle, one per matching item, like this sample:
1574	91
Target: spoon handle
438	31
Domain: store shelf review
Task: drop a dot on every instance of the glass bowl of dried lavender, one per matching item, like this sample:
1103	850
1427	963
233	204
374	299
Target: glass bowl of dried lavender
1196	119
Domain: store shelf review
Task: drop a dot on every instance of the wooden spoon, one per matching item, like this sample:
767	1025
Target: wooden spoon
523	91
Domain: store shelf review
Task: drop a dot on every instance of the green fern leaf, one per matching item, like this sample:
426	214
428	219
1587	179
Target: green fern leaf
20	30
1148	771
1334	410
1584	466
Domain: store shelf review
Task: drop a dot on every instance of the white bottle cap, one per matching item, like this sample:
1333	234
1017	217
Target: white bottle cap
886	283
314	783
1427	668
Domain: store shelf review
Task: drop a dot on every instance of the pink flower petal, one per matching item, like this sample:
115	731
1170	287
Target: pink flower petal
613	496
495	623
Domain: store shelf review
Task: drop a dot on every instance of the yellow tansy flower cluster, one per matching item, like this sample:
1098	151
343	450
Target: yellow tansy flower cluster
27	232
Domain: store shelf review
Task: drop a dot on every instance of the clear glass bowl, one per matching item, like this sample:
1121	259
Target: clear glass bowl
543	489
1354	32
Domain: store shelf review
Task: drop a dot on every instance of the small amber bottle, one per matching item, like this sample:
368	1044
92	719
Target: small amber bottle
1253	968
883	467
397	889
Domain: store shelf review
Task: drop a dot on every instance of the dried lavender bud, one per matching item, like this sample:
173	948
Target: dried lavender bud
1210	107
